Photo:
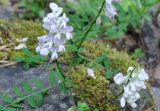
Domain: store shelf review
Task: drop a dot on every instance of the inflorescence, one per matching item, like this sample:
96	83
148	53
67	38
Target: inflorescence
58	34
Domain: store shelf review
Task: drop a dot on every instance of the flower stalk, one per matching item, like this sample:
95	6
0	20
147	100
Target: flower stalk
94	22
59	68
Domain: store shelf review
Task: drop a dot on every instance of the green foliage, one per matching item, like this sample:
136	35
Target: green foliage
109	74
52	79
106	62
6	98
138	53
18	92
32	97
33	8
82	106
28	58
105	56
131	14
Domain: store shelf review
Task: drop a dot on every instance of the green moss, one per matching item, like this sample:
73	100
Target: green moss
93	91
17	29
118	60
96	92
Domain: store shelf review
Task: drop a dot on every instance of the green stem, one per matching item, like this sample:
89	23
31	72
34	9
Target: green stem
59	68
125	85
89	29
92	61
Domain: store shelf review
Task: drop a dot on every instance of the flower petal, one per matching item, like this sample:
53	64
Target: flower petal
118	78
122	101
90	73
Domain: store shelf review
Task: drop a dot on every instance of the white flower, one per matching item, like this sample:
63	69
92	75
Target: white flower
122	101
54	56
118	78
90	73
136	84
58	34
130	69
143	75
44	51
56	10
110	10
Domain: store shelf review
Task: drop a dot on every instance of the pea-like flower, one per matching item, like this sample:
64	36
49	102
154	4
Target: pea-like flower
110	10
136	82
90	73
58	32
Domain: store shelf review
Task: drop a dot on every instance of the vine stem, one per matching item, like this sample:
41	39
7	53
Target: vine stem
89	29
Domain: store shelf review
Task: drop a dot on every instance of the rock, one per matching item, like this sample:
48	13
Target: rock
6	12
156	74
54	101
156	95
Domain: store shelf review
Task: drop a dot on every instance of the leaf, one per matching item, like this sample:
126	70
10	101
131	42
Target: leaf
37	83
64	89
31	101
52	79
59	74
27	88
41	57
10	109
16	105
27	52
6	98
106	63
18	92
34	60
1	107
100	59
83	107
72	48
108	74
96	109
39	99
77	60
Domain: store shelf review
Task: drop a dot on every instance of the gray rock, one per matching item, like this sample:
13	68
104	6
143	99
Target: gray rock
6	12
156	95
55	99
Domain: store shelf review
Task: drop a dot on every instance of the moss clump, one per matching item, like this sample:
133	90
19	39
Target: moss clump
17	29
117	60
95	92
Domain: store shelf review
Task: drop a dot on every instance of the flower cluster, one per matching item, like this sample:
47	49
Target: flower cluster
58	34
133	82
110	10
